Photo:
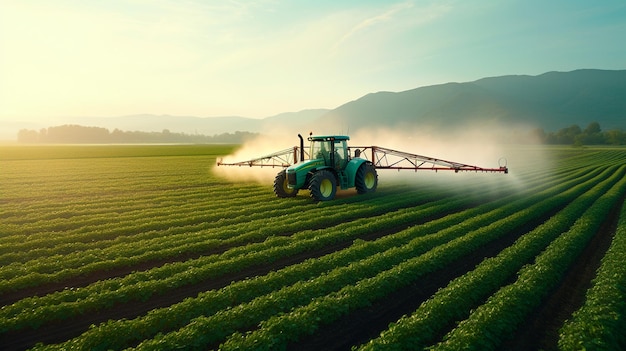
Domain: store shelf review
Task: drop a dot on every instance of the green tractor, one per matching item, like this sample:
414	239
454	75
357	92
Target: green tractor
329	166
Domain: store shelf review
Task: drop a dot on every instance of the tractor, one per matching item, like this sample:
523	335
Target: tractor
329	166
328	162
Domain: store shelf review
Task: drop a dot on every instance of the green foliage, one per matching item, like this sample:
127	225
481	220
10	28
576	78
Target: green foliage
600	323
574	135
507	308
455	300
69	211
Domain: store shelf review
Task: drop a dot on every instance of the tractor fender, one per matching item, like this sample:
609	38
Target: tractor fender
305	175
351	168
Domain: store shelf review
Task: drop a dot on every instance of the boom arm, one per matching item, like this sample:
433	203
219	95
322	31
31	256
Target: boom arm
283	158
384	158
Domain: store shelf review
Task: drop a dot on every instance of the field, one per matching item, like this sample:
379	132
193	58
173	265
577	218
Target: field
144	247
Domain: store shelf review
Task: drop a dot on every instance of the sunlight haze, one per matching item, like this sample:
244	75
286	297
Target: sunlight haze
261	58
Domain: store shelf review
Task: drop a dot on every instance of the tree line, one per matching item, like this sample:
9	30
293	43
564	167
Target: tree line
76	134
575	135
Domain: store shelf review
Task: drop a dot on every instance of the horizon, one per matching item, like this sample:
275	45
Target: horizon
260	59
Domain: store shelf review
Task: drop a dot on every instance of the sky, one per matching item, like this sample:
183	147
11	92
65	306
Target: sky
259	58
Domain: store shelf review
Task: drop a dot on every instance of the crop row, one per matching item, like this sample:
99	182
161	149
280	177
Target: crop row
109	178
126	228
141	285
176	241
302	289
64	152
161	204
600	323
504	311
317	286
454	302
277	331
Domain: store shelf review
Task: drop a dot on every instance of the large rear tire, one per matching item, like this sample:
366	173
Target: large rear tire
281	188
323	186
366	179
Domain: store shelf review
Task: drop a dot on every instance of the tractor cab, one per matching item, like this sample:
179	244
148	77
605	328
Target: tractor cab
332	150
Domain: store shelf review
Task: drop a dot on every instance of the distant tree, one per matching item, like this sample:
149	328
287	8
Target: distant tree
615	137
593	128
593	134
27	136
568	135
117	136
75	134
71	133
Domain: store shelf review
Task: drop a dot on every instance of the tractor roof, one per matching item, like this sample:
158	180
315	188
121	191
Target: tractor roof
328	137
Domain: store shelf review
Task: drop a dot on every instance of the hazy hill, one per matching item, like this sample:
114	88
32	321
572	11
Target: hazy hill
551	101
201	125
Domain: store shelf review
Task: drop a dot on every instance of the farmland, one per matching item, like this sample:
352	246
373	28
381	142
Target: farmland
144	247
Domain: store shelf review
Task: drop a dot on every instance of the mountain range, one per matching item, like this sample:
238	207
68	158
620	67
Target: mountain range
549	101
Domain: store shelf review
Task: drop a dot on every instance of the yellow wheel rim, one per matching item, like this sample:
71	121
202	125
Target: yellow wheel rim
326	188
369	180
286	187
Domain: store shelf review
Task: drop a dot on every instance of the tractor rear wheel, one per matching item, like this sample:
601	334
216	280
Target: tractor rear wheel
366	179
281	188
323	185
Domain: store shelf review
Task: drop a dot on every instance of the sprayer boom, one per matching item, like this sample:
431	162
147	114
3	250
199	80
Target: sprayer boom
380	157
384	158
283	158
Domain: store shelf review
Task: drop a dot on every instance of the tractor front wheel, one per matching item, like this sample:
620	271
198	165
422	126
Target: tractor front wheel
323	186
366	179
281	188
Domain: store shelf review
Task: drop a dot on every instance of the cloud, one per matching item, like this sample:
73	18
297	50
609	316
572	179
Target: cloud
372	21
398	17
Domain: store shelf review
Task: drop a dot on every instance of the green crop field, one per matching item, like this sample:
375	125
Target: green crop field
146	247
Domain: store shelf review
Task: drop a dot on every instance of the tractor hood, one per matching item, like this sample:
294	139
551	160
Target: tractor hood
297	173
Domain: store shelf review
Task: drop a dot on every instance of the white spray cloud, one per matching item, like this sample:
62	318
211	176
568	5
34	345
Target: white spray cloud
269	141
484	147
491	147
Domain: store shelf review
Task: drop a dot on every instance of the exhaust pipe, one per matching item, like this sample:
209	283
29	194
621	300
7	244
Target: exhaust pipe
301	147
